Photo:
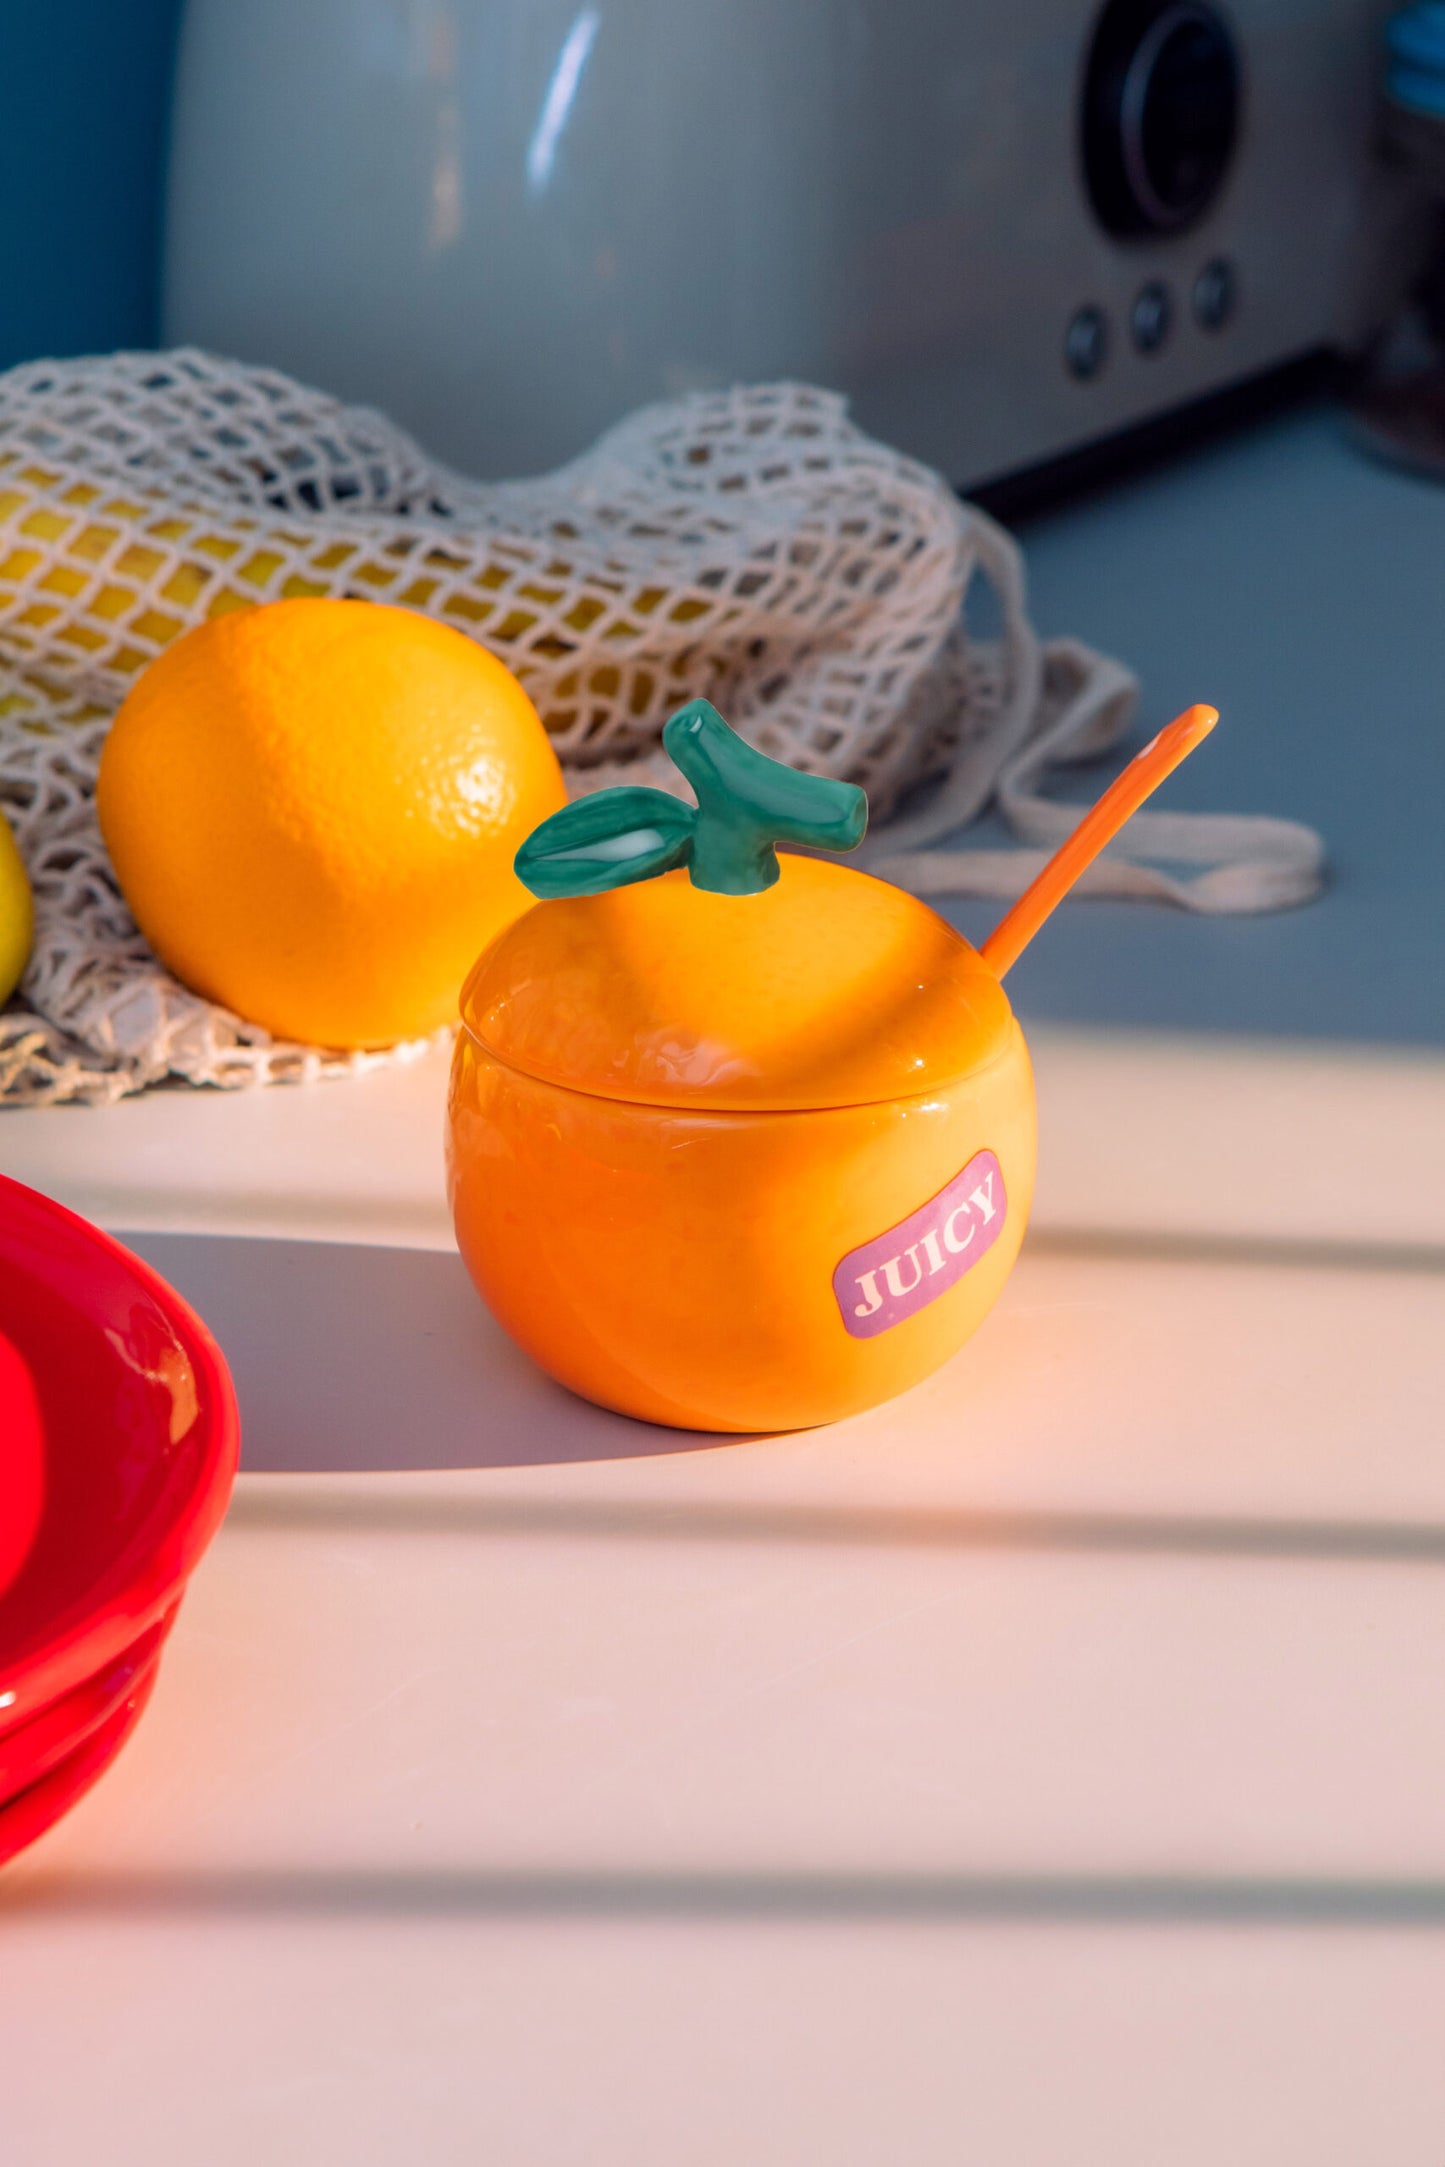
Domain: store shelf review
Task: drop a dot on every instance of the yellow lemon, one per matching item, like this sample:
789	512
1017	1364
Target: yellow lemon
17	915
312	809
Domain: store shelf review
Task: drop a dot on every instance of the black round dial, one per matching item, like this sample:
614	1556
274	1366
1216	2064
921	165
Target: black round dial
1161	113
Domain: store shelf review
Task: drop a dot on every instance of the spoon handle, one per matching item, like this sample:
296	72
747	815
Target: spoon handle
1099	826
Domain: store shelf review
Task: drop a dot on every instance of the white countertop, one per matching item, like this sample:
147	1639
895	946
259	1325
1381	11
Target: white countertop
1047	1768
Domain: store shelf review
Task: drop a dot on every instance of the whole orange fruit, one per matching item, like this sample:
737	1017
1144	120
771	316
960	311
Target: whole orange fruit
312	809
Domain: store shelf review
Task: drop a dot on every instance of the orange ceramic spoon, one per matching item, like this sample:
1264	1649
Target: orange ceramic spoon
1120	801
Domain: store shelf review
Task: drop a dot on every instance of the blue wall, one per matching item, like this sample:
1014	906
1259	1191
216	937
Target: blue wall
84	105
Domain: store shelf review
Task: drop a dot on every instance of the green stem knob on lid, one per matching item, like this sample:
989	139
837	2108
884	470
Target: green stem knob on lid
746	804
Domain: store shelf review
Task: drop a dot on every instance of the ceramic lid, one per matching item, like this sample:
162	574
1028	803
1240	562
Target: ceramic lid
829	988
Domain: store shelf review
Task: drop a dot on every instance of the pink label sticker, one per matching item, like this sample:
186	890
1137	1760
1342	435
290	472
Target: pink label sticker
923	1256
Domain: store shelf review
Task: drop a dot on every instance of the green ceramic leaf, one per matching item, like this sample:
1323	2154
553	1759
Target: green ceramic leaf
606	841
746	803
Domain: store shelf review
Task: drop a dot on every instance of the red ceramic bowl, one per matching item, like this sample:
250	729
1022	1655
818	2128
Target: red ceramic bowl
138	1439
22	1462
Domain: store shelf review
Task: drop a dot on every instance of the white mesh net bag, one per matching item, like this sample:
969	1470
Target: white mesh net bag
749	545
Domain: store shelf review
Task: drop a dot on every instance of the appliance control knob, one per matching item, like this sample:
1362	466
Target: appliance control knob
1213	295
1160	115
1151	316
1086	343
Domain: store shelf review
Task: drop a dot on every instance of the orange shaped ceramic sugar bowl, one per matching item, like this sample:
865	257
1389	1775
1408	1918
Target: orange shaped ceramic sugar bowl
741	1140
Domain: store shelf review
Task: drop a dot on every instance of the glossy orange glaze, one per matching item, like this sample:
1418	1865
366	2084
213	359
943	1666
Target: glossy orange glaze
829	989
675	1117
678	1265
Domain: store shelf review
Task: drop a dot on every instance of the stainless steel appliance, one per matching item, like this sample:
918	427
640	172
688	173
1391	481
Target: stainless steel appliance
1006	228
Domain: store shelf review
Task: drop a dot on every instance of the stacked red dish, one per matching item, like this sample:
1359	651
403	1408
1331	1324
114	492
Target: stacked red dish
118	1446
